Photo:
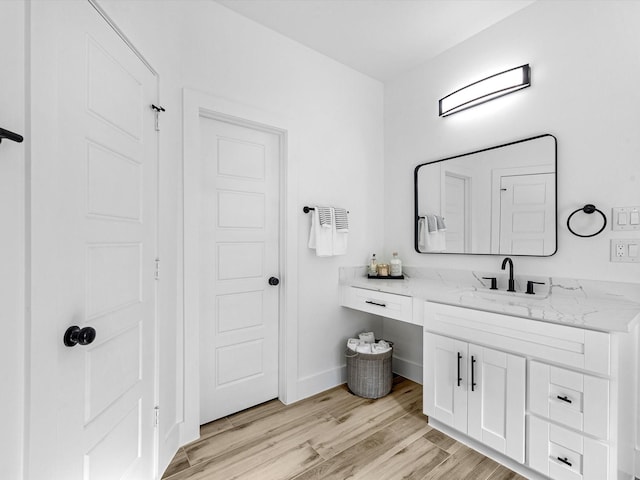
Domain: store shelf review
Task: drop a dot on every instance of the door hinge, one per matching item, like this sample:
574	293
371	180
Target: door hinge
156	416
156	274
157	109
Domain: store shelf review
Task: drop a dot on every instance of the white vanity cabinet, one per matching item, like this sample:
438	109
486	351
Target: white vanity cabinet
477	390
578	419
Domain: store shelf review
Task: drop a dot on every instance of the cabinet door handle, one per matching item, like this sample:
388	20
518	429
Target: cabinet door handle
459	377
375	303
565	461
564	399
473	373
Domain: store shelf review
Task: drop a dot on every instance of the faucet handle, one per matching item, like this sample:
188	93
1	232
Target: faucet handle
494	282
530	284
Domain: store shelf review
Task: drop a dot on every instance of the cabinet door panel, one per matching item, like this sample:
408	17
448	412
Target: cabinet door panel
497	401
445	398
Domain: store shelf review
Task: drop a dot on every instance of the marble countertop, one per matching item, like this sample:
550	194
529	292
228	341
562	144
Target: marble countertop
596	305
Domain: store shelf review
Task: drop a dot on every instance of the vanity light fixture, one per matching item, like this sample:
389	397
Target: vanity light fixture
486	89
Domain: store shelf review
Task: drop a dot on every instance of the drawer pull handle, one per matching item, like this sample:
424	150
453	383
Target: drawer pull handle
375	303
459	377
564	399
473	373
565	461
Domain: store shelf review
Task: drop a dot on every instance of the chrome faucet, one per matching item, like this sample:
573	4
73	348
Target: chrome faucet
511	281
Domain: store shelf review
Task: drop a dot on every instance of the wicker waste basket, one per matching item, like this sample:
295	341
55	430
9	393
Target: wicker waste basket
369	374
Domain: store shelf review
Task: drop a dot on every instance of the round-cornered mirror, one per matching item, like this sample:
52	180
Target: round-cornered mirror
499	200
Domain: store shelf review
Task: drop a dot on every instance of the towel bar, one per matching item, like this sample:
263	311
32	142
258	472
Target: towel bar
10	136
306	209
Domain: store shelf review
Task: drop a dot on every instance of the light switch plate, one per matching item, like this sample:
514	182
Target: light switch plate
625	218
621	249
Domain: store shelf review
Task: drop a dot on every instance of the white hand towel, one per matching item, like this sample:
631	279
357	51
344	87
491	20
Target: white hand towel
380	347
424	243
367	337
340	238
420	234
320	239
440	243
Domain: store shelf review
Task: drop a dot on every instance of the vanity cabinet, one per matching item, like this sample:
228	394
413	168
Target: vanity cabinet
477	390
579	385
556	379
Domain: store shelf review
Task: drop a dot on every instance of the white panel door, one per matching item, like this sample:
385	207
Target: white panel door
93	246
497	400
445	380
527	214
456	212
239	228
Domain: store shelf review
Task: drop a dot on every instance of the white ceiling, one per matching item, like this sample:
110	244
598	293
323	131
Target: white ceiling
380	38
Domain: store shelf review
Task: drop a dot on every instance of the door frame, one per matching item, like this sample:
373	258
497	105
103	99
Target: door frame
195	105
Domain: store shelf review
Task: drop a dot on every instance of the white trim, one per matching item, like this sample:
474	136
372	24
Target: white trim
196	103
319	382
407	369
95	4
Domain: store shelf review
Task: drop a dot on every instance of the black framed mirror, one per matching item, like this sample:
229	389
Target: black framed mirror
500	200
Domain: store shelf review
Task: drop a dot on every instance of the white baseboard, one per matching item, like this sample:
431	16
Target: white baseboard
407	369
318	383
314	384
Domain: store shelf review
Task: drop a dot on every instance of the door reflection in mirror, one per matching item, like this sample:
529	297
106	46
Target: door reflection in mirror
499	200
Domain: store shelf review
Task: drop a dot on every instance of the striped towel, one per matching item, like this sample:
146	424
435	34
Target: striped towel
432	225
342	220
325	216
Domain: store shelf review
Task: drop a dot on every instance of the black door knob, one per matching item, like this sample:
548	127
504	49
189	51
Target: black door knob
274	281
76	335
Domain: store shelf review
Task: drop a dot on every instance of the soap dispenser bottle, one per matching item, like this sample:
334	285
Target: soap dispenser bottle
396	265
373	266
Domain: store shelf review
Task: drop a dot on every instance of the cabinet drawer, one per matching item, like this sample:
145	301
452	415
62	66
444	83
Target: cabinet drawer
565	455
573	399
389	305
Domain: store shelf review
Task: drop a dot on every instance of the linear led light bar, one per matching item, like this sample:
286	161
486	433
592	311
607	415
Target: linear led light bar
486	89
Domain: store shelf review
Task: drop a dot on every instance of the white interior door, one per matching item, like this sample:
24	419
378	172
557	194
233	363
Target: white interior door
93	248
527	214
456	212
239	227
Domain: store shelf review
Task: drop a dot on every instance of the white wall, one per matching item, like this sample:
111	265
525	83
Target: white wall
585	64
338	149
12	201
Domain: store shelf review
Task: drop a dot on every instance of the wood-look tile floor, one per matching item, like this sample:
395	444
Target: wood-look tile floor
333	435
